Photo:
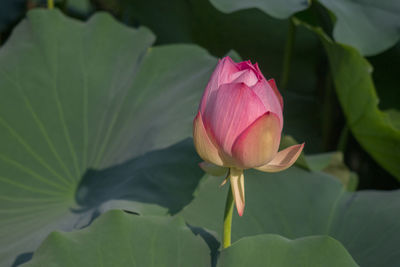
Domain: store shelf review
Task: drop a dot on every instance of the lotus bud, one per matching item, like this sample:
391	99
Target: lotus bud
239	125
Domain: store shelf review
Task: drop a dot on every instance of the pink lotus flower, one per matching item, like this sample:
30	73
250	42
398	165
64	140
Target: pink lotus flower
239	124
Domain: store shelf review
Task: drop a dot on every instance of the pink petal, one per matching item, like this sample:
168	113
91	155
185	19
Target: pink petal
244	65
268	98
221	75
237	187
244	76
228	67
283	160
259	143
204	146
230	112
272	83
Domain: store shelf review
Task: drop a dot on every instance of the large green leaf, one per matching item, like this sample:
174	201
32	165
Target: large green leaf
297	203
374	129
275	8
274	250
119	239
370	26
76	96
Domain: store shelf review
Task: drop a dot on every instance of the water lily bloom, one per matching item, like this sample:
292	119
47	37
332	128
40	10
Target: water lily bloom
239	123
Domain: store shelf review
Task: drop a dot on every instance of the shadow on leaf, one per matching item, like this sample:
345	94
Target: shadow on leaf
166	177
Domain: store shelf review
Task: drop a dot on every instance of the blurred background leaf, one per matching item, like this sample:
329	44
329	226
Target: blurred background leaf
369	26
374	129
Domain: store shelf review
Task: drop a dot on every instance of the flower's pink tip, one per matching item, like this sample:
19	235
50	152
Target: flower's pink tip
240	212
283	160
221	74
258	143
229	59
248	65
272	83
203	144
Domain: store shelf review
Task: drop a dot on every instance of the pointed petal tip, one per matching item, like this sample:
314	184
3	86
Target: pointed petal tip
240	211
240	207
301	146
223	182
283	159
227	58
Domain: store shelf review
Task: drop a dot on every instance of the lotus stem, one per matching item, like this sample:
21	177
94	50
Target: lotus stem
228	219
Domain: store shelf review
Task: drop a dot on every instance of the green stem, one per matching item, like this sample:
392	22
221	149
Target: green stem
228	219
50	4
288	54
